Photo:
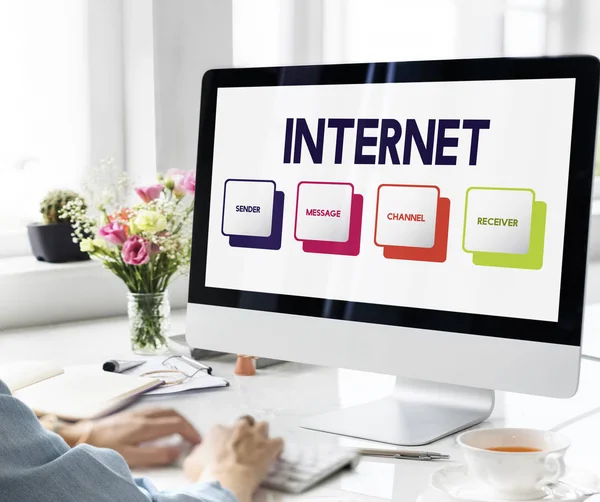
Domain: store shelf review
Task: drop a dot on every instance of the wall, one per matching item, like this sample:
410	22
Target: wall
589	35
190	37
107	113
138	90
167	47
479	28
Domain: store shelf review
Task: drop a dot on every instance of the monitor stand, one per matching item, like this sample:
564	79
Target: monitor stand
416	413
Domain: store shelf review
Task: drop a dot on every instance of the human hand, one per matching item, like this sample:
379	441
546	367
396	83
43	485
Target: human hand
239	457
126	432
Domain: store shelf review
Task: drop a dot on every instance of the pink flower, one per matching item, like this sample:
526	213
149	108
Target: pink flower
149	193
136	251
114	232
189	182
174	180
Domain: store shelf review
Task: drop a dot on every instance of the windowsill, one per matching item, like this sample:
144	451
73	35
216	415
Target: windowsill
34	293
18	265
14	243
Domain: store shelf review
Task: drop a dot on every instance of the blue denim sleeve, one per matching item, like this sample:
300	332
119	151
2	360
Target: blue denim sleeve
37	466
206	492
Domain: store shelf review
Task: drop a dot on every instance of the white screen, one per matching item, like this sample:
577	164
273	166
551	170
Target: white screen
497	251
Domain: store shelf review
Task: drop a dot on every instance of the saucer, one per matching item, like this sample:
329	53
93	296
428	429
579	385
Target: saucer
455	482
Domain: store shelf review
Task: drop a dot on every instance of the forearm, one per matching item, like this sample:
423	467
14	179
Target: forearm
203	491
72	433
210	491
236	478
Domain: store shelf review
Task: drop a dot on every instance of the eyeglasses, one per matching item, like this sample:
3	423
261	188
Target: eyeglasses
185	365
180	365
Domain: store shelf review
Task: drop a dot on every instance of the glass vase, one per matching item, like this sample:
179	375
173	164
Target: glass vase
149	322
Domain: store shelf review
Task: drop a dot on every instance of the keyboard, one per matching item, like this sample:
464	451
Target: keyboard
301	467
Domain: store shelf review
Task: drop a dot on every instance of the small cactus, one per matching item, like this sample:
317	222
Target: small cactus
53	203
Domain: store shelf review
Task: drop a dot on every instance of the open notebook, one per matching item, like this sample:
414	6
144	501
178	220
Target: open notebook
73	393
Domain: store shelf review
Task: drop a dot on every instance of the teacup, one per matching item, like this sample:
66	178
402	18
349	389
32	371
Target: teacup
531	460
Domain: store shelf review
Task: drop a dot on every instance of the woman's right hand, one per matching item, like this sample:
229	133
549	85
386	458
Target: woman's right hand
239	457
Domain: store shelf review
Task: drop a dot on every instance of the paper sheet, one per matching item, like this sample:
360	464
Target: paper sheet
201	380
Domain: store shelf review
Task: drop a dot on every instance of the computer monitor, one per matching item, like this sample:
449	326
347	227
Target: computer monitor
422	219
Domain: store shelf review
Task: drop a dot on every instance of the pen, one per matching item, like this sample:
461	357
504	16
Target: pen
117	366
197	364
404	454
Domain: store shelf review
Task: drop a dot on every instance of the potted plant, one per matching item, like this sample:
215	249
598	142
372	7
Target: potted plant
52	240
145	242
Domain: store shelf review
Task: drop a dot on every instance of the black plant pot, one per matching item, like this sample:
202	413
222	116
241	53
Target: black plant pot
54	243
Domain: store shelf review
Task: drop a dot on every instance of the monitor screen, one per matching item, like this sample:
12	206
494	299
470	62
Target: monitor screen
446	196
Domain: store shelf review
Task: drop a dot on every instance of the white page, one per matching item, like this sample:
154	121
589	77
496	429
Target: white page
83	392
25	373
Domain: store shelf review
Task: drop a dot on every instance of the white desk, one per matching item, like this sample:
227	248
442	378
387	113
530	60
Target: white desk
283	394
591	331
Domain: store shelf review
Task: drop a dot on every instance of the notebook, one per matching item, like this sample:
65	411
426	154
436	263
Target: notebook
73	393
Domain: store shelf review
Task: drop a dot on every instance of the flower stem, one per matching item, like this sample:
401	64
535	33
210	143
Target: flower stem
148	320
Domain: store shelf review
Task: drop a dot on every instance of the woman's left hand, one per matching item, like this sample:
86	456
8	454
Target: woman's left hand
126	433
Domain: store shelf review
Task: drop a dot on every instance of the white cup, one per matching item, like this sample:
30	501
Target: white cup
515	476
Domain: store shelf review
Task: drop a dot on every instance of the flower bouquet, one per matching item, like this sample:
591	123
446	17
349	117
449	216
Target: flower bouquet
146	244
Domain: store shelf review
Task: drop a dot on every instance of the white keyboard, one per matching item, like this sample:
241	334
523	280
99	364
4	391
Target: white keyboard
303	466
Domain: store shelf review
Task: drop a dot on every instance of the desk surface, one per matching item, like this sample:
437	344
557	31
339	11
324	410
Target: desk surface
285	393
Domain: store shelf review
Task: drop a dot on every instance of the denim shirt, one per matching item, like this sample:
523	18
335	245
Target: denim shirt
38	466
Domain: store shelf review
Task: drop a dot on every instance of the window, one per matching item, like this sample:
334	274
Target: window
388	30
44	124
379	30
525	29
261	35
61	99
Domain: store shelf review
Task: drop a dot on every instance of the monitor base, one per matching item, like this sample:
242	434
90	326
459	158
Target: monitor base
415	414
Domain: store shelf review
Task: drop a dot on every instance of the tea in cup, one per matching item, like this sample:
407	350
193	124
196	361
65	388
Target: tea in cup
515	464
